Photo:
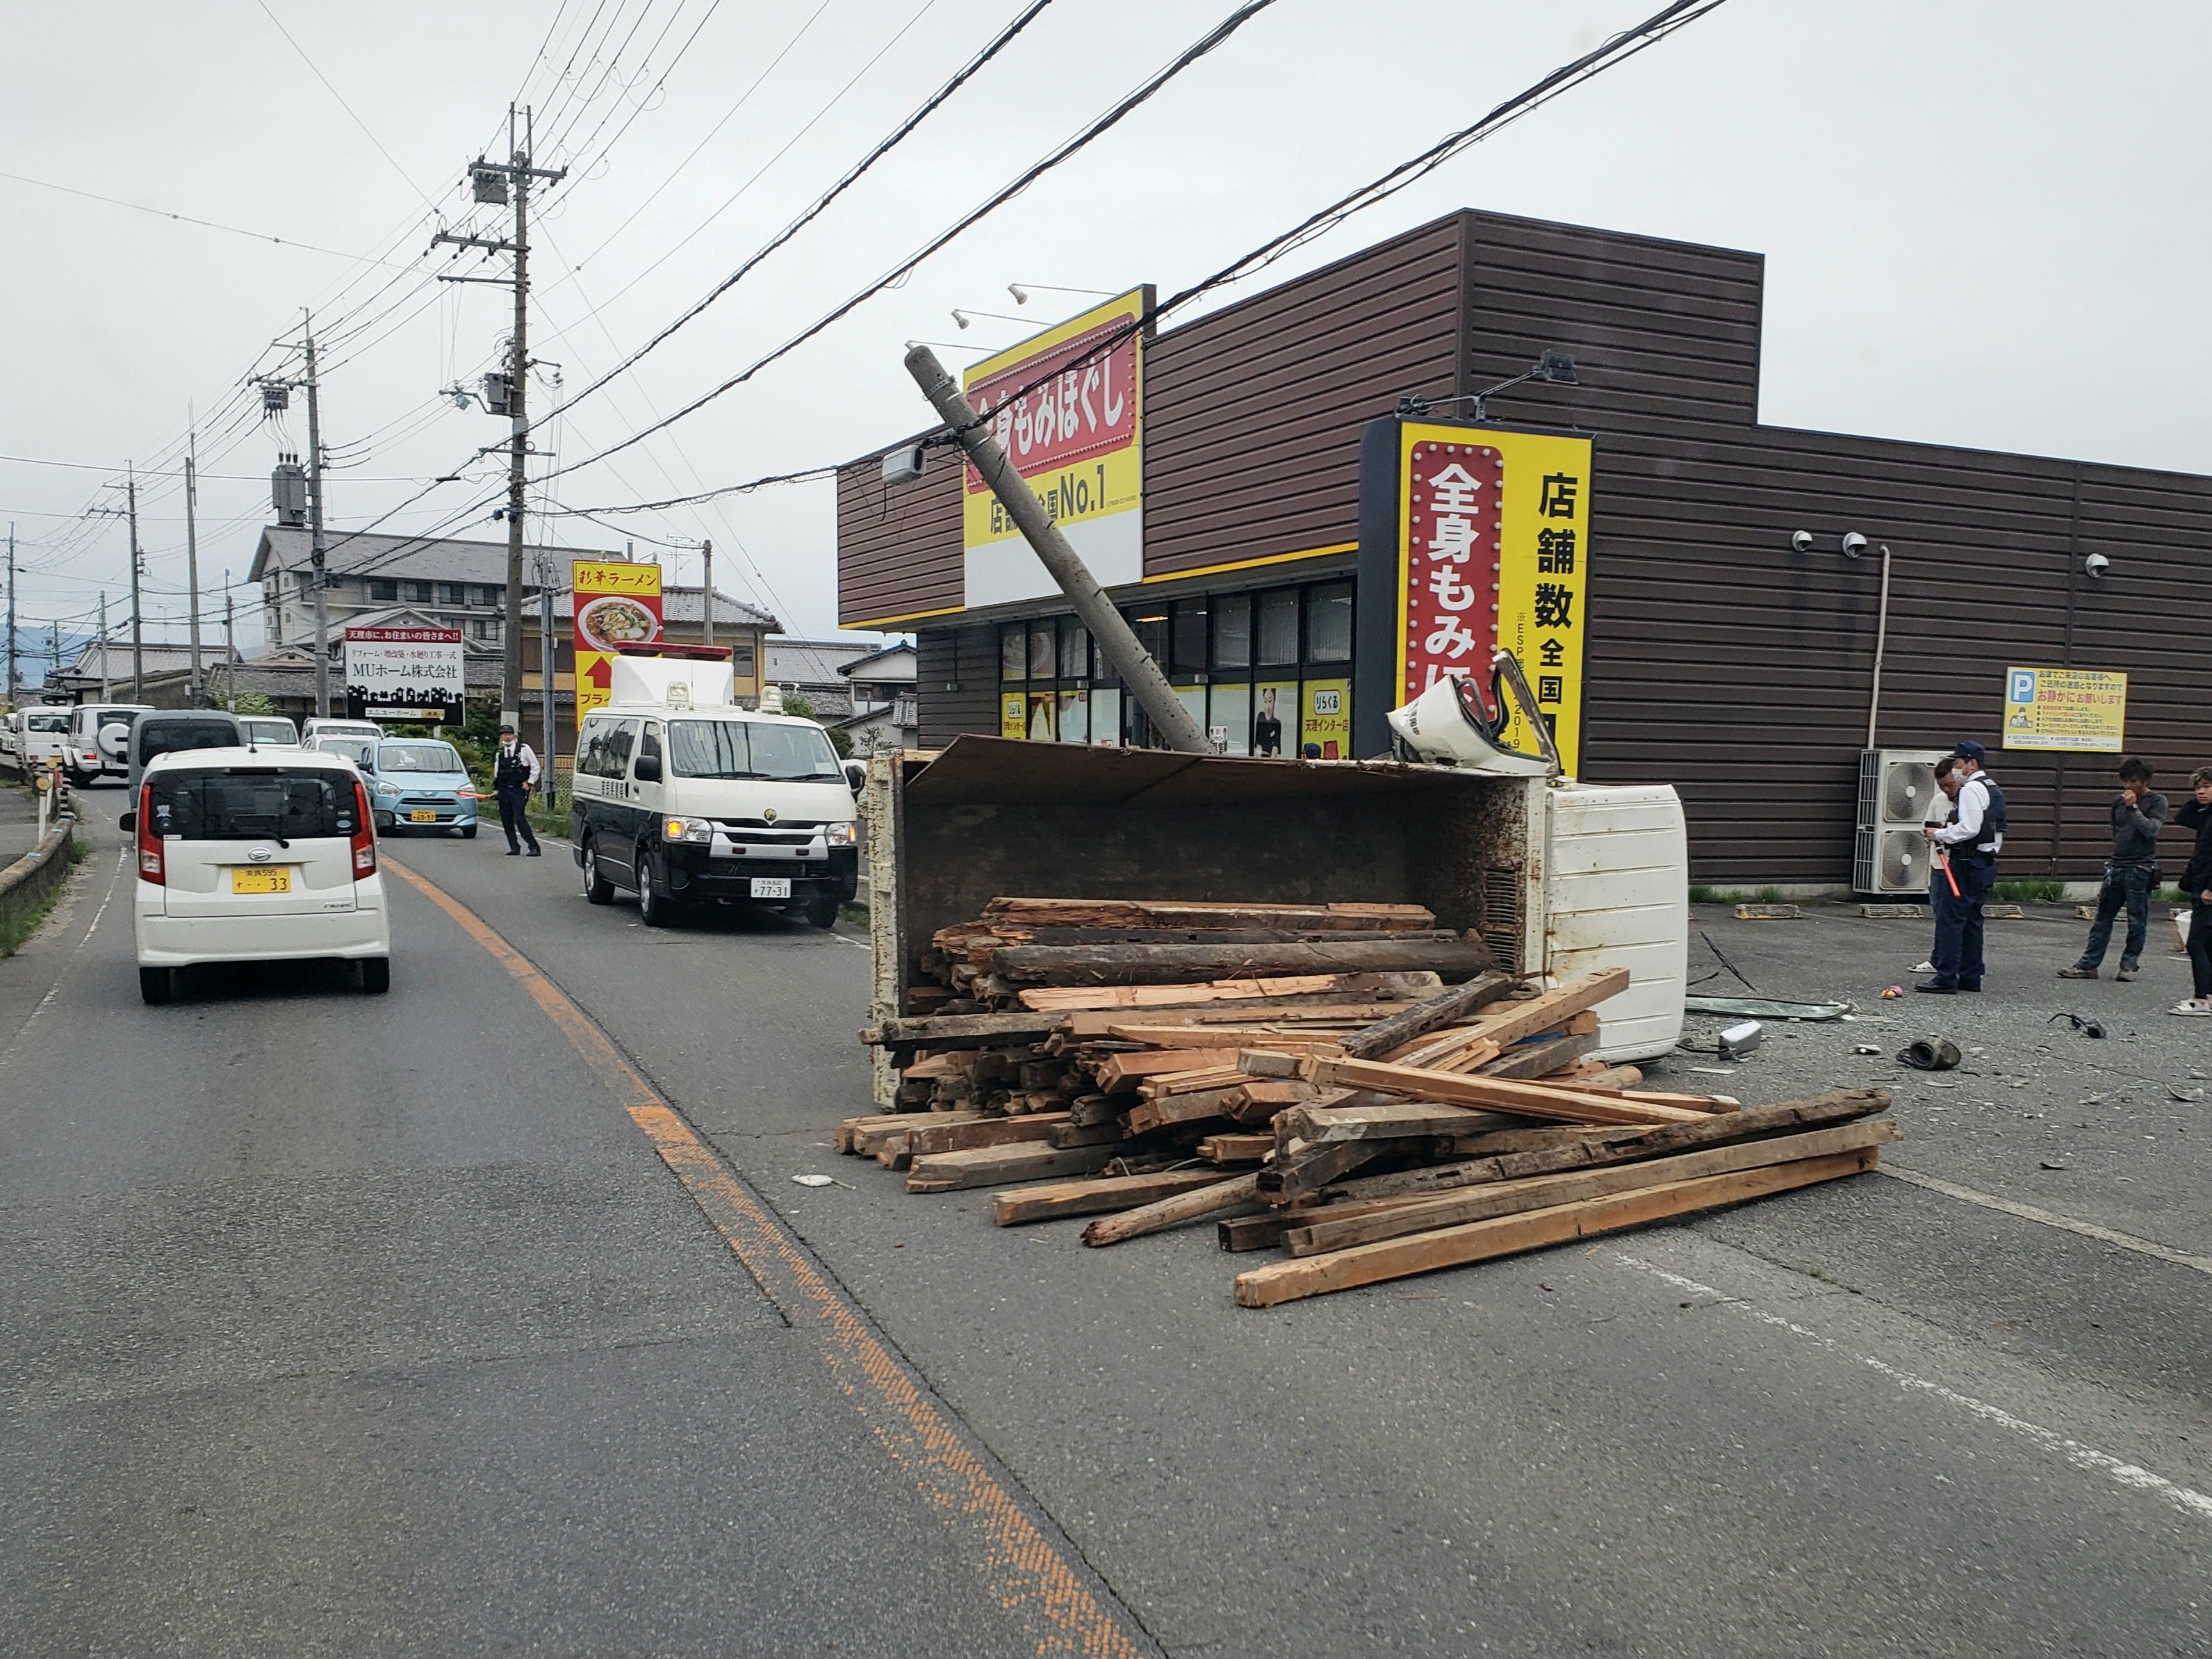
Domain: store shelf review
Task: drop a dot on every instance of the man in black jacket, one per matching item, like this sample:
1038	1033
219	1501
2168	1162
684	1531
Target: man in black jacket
2196	882
2131	875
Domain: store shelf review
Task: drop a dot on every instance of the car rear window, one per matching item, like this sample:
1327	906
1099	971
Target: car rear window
253	804
49	722
174	736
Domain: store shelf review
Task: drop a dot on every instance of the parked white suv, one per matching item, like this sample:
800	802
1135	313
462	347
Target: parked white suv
247	858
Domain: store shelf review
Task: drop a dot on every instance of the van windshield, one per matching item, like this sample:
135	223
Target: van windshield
417	757
272	730
748	749
253	803
48	722
170	737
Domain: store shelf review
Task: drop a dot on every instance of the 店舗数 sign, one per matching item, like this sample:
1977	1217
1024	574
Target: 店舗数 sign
1493	545
2076	708
405	674
1068	407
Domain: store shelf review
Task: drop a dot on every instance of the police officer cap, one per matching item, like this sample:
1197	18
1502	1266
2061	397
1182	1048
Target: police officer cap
1969	749
504	727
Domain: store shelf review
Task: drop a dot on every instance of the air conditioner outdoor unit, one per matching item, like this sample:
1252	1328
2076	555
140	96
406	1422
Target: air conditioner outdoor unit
1896	789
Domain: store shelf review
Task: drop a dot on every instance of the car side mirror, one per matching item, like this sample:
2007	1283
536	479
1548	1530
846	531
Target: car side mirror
647	769
128	823
857	776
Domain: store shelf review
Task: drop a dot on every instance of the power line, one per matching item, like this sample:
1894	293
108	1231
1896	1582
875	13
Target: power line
344	106
1200	48
189	219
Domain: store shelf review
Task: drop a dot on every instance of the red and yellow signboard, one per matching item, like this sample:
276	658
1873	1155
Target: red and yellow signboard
1068	406
616	603
1493	550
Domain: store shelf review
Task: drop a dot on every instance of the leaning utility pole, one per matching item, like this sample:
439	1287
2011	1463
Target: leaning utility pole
192	554
707	588
315	550
1170	717
496	184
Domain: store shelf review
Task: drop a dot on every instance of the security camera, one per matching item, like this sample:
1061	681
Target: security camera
2096	564
1801	542
1854	543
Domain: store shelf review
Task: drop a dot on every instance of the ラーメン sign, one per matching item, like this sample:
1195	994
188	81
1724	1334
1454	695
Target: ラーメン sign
413	674
1473	538
1068	407
2065	708
616	603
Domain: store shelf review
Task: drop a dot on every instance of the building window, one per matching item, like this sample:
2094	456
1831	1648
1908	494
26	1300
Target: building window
416	592
1232	631
1013	652
453	594
382	588
741	659
1074	650
1278	626
1328	622
487	594
1189	638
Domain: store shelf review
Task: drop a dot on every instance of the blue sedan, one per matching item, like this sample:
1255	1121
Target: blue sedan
419	783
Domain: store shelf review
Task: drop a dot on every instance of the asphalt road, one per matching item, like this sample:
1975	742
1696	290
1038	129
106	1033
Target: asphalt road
342	1324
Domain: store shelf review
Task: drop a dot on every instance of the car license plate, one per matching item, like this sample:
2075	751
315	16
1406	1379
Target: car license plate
771	886
423	816
260	881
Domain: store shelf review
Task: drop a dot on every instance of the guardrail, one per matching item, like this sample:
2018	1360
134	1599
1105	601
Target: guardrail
25	885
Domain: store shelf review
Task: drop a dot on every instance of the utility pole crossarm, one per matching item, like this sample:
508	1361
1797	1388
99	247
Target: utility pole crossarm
485	242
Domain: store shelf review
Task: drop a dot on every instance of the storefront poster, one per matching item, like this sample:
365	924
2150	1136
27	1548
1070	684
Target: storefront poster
2082	710
1067	406
617	603
413	674
1493	550
1014	714
1275	715
1040	717
1325	721
1074	717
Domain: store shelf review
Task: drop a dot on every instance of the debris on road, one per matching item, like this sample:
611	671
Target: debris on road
1370	1129
1765	1008
1929	1055
2087	1028
1768	912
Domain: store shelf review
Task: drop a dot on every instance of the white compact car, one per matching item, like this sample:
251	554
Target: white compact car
244	856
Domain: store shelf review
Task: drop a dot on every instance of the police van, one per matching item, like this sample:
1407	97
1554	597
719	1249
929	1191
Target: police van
685	798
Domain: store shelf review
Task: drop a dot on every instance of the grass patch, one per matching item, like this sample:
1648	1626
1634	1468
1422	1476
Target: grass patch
1770	895
16	929
2024	890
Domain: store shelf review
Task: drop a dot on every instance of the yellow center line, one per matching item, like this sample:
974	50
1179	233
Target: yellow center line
1030	1573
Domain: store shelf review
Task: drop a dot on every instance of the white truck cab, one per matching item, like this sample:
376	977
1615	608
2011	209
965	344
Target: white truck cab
683	798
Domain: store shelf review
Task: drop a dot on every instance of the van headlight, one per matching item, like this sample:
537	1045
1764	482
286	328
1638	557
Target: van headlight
388	789
841	835
686	829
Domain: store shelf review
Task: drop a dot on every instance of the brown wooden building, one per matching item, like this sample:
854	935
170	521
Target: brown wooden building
1718	659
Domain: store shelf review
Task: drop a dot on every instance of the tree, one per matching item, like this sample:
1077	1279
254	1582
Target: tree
796	703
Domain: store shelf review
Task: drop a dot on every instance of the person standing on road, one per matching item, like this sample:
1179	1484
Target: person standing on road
513	776
2196	882
2138	814
1940	811
1972	840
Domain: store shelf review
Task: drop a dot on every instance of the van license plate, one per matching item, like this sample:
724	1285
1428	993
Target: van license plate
260	881
771	886
423	816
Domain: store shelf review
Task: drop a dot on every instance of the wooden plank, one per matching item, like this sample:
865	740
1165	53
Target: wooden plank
1540	1192
1190	913
1287	1011
1269	1062
1000	1166
1494	1094
1509	1235
1177	964
959	1031
1202	1037
868	1133
1173	1211
1118	1073
1529	1060
1319	1125
1304	1174
1613	1077
1065	1134
1206	1079
1249	992
1235	1149
1546	1152
1201	1107
1099	1195
1259	1102
1553	1009
1264	1233
1447	1008
929	1137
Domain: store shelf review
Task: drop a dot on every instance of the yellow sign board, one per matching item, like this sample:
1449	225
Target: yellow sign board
618	603
1493	549
2083	709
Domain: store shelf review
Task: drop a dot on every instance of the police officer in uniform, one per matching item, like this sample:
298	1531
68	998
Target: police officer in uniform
1972	839
514	774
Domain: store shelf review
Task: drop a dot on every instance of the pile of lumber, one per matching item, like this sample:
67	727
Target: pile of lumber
1384	1123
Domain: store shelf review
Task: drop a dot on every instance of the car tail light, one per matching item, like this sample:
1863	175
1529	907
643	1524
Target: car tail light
150	844
364	834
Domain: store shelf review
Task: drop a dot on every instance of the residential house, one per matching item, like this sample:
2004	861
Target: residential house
881	690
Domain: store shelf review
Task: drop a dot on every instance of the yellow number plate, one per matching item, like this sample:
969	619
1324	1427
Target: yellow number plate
260	881
421	816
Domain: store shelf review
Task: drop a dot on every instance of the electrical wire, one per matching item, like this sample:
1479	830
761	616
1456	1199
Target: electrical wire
186	218
344	106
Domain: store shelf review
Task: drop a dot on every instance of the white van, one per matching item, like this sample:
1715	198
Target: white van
100	740
37	736
683	798
249	856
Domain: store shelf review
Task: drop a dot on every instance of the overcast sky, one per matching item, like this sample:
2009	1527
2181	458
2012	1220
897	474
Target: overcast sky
1984	225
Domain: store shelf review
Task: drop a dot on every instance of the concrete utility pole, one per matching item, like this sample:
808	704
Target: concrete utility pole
192	554
229	647
1117	640
548	659
106	695
316	551
11	616
495	183
707	588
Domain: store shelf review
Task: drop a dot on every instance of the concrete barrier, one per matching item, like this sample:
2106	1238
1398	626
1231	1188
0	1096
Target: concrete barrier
26	883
